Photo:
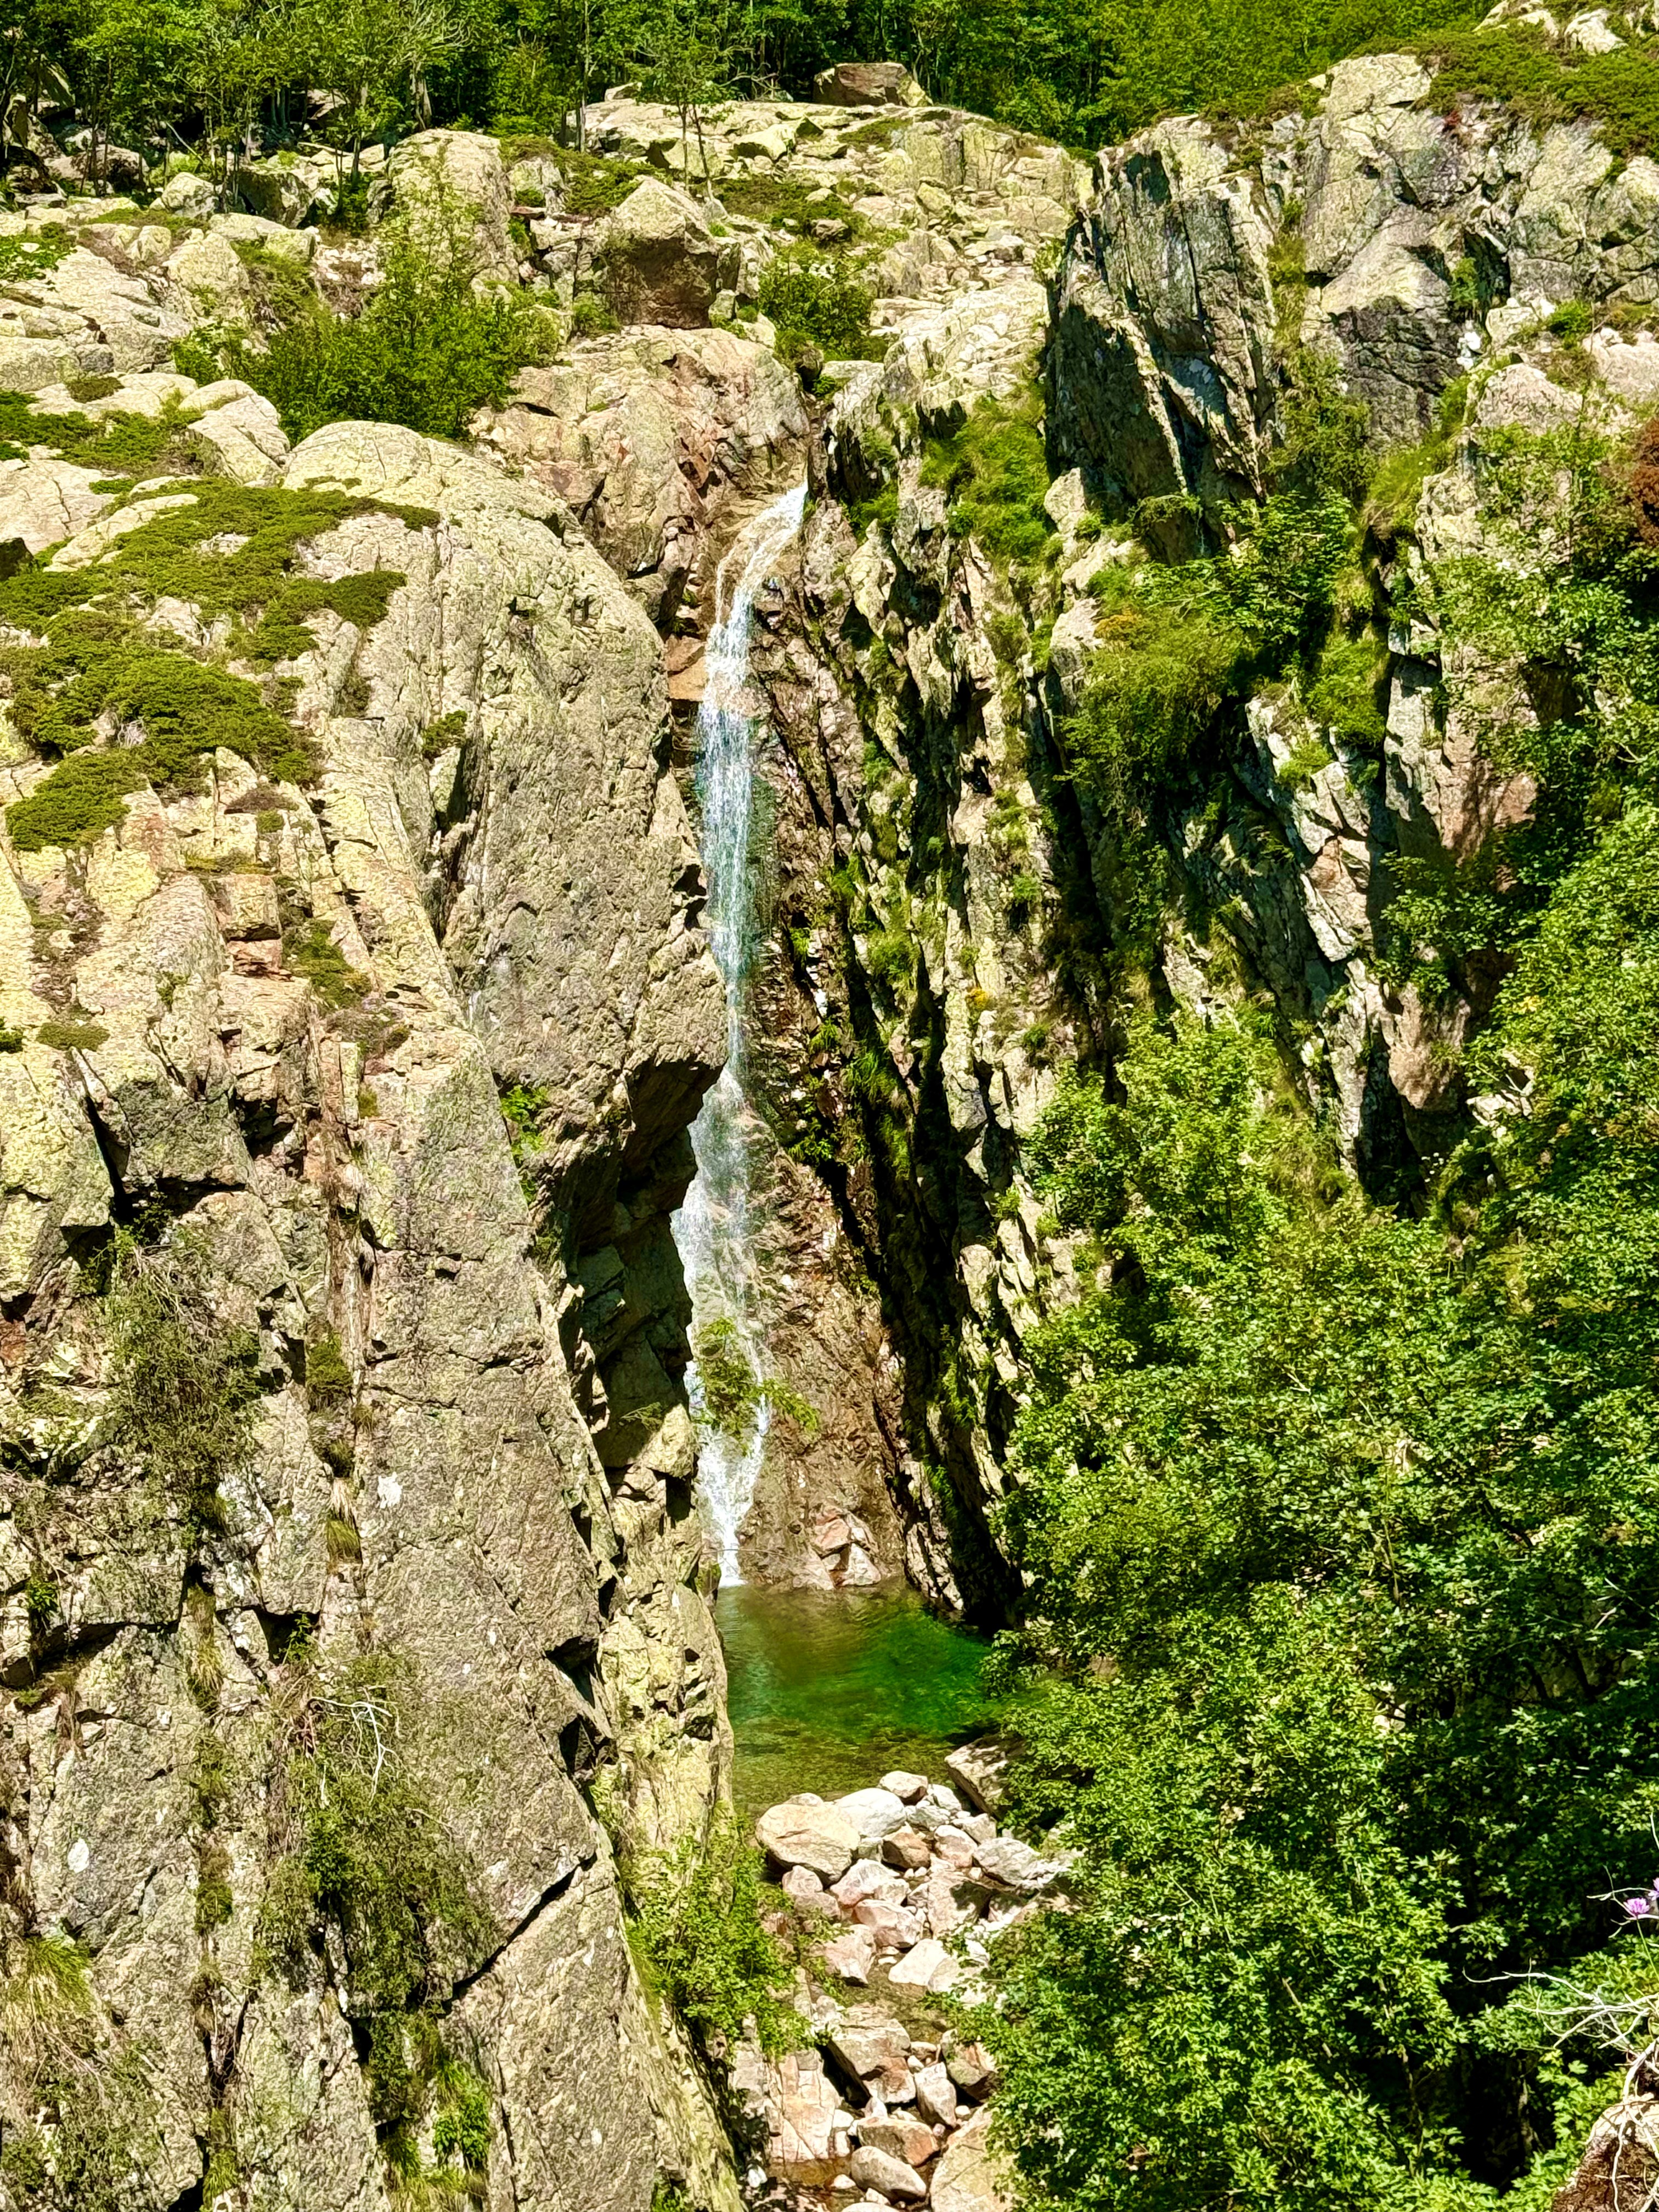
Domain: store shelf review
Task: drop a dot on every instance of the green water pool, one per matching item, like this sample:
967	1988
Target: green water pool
828	1689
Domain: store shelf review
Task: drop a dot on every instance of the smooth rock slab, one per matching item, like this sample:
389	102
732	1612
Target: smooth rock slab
816	1836
877	1812
929	1966
968	2178
898	2183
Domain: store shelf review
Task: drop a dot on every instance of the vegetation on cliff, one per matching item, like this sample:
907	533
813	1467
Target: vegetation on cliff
1338	1517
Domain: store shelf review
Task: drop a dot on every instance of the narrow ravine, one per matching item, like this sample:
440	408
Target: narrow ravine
711	1230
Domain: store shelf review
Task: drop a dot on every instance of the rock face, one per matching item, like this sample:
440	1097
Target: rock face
659	260
262	1025
970	2178
910	1028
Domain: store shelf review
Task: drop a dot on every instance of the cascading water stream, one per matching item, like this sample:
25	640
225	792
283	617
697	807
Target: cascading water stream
712	1228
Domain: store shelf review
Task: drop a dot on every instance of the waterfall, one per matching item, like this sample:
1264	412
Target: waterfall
712	1228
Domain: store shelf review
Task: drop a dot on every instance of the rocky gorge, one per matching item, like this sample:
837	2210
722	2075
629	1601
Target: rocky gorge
358	1001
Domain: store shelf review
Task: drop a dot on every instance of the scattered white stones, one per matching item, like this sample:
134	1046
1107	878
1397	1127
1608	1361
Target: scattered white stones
911	1885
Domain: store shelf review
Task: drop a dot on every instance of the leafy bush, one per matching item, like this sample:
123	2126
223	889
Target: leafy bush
1619	92
700	1931
1340	1540
995	472
183	1386
427	350
731	1387
822	303
362	1849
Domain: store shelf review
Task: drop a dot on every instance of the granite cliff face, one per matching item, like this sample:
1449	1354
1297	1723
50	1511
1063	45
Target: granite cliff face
963	919
256	1036
347	1048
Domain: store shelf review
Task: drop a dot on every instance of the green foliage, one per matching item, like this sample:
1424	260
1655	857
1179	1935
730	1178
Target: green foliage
427	350
1339	1532
791	202
32	254
994	472
1547	83
819	302
889	958
700	1929
328	1378
1341	693
115	445
232	550
309	950
731	1388
182	1385
1178	642
363	1850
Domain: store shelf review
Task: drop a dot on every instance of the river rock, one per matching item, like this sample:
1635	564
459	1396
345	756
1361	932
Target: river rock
876	1813
889	2177
928	1966
893	1928
1017	1866
981	1769
801	1883
971	2067
901	2137
873	2048
907	1847
936	2095
814	1835
868	1878
951	1901
851	1954
909	1787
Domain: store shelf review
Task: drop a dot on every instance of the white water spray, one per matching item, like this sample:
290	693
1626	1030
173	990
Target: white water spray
712	1228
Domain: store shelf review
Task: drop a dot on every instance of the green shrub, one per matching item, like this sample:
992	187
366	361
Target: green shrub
592	314
731	1387
362	1849
1303	763
594	184
117	445
427	351
183	1386
1341	694
1545	83
700	1929
994	472
819	302
309	950
788	202
889	958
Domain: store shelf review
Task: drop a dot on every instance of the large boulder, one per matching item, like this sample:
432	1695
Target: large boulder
868	84
874	1813
451	188
979	1771
807	1833
661	261
968	2177
889	2177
